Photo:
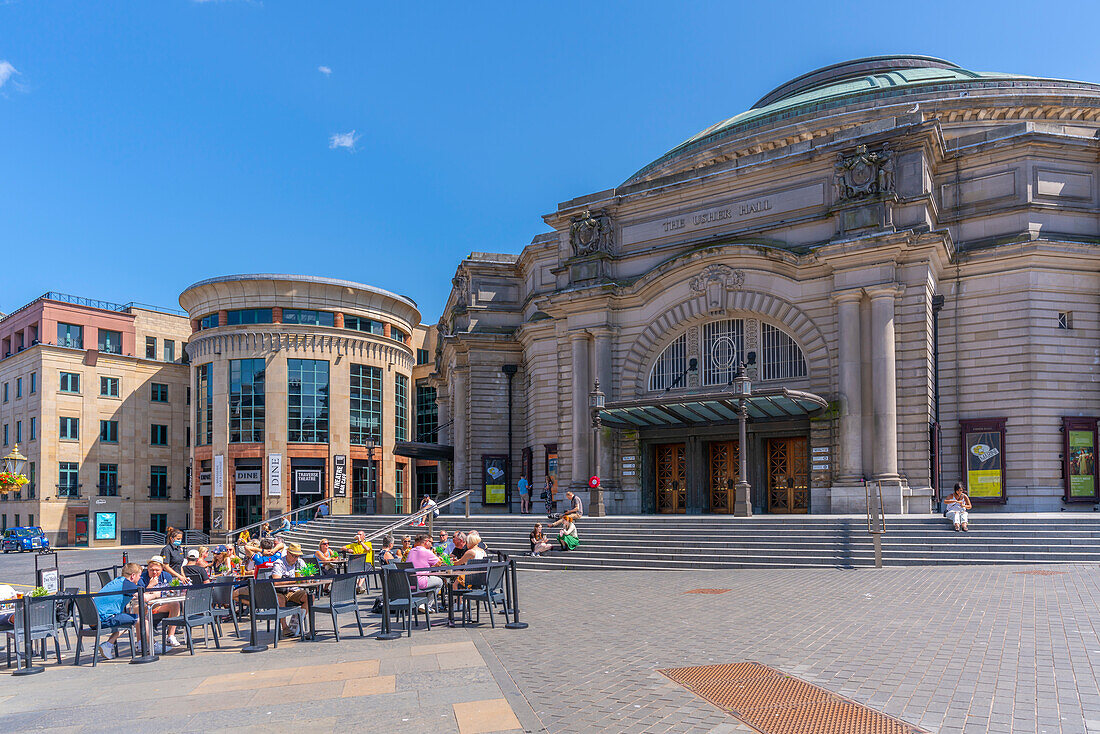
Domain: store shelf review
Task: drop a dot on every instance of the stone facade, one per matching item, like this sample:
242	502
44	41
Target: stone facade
913	242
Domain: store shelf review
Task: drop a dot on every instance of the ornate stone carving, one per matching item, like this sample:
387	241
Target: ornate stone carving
864	174
591	232
693	352
752	344
459	283
714	281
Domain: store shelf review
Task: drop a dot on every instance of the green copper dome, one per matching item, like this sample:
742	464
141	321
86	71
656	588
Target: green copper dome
848	83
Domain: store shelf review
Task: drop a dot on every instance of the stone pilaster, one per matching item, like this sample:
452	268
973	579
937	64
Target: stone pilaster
884	381
850	461
582	424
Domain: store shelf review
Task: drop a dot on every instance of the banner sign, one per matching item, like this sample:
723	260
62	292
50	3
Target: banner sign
247	476
204	477
274	475
340	476
307	481
105	525
219	476
983	459
1079	452
494	478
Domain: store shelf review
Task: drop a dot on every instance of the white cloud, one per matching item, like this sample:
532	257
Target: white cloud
324	70
343	140
7	71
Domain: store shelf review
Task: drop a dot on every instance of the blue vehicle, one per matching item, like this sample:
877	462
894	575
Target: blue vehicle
25	539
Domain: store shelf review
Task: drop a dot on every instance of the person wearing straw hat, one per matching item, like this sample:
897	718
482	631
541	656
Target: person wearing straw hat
286	567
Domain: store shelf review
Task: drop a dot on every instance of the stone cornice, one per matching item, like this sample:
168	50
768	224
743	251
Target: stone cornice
268	342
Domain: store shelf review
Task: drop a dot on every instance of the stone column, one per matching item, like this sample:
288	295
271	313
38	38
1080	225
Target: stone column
603	374
582	422
884	381
850	464
458	429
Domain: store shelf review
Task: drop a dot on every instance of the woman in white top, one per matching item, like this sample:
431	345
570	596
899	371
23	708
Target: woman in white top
957	505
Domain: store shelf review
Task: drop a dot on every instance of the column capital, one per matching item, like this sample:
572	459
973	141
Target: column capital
847	296
579	335
884	290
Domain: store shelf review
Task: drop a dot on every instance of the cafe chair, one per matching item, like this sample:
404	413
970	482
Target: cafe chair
104	578
402	599
195	575
91	626
489	594
341	600
266	607
223	607
197	612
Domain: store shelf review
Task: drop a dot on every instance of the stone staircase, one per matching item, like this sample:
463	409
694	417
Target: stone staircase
711	542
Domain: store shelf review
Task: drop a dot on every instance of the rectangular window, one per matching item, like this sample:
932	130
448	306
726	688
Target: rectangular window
108	431
1065	320
70	335
158	522
68	479
158	482
169	350
160	392
358	323
5	434
34	383
34	428
246	400
70	382
401	408
19	431
427	414
399	488
108	480
31	480
307	400
307	317
427	482
30	520
422	356
249	316
158	435
209	322
398	335
69	429
110	341
150	347
366	404
108	386
204	411
18	387
5	392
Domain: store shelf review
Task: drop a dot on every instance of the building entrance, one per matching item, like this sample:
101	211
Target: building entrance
364	488
247	510
671	473
788	475
723	462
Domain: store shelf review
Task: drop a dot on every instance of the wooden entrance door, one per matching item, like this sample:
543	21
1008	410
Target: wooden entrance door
723	462
671	473
788	475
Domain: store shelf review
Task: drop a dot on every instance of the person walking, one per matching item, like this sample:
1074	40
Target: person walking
524	495
548	495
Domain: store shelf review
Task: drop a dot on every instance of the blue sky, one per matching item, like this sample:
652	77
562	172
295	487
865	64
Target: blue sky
148	145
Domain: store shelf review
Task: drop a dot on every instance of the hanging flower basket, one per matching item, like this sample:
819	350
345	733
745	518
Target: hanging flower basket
12	482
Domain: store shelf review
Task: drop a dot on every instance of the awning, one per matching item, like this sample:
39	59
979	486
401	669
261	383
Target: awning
711	408
427	451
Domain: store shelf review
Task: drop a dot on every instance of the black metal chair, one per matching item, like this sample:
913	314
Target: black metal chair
358	566
489	593
104	578
266	607
341	600
43	624
197	612
66	615
91	626
223	607
402	600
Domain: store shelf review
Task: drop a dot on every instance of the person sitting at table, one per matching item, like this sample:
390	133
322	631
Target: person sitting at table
567	536
195	560
286	567
360	547
265	531
406	546
539	544
156	581
422	557
265	556
446	542
173	554
386	554
324	557
112	612
473	552
458	545
224	560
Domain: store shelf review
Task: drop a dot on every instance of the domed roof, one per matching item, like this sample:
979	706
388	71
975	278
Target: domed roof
838	85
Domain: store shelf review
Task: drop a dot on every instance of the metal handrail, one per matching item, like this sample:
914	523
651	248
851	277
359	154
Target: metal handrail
230	533
876	517
417	515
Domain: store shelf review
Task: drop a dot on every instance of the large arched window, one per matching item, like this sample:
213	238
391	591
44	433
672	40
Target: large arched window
723	346
670	365
782	358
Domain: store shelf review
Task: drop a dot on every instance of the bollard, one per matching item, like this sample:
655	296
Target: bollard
125	558
386	633
147	655
28	648
252	645
87	581
515	624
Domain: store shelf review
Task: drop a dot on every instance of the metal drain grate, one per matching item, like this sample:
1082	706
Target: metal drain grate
707	591
775	703
1041	573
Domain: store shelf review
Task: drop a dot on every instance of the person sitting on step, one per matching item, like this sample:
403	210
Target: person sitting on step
957	505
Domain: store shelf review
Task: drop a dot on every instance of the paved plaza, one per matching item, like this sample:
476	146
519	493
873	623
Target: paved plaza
950	649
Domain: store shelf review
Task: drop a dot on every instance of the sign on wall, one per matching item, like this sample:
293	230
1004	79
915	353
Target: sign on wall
217	522
340	476
219	476
274	475
494	479
1079	459
105	525
983	443
307	481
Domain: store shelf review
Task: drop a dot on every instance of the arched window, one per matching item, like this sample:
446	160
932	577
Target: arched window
670	365
782	358
723	344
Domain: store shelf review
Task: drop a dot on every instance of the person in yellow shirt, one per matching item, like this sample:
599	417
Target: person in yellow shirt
360	547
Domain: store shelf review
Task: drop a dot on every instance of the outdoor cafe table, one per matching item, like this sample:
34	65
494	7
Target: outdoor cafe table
449	574
311	586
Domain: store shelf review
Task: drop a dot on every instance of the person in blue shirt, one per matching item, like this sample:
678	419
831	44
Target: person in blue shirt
524	495
157	576
111	608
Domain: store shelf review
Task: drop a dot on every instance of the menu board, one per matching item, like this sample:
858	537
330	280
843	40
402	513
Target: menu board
494	480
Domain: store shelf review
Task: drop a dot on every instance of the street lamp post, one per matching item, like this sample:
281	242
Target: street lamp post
742	504
595	495
13	466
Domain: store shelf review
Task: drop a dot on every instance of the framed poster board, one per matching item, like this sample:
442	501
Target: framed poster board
983	459
1079	459
106	526
494	479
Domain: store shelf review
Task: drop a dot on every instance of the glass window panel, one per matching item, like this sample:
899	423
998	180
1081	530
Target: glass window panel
209	322
670	365
366	404
401	407
427	414
249	316
110	341
70	335
150	347
204	405
70	382
307	404
108	480
723	345
246	400
109	386
781	357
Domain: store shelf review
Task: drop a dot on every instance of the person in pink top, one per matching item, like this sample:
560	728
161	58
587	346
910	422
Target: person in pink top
422	557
